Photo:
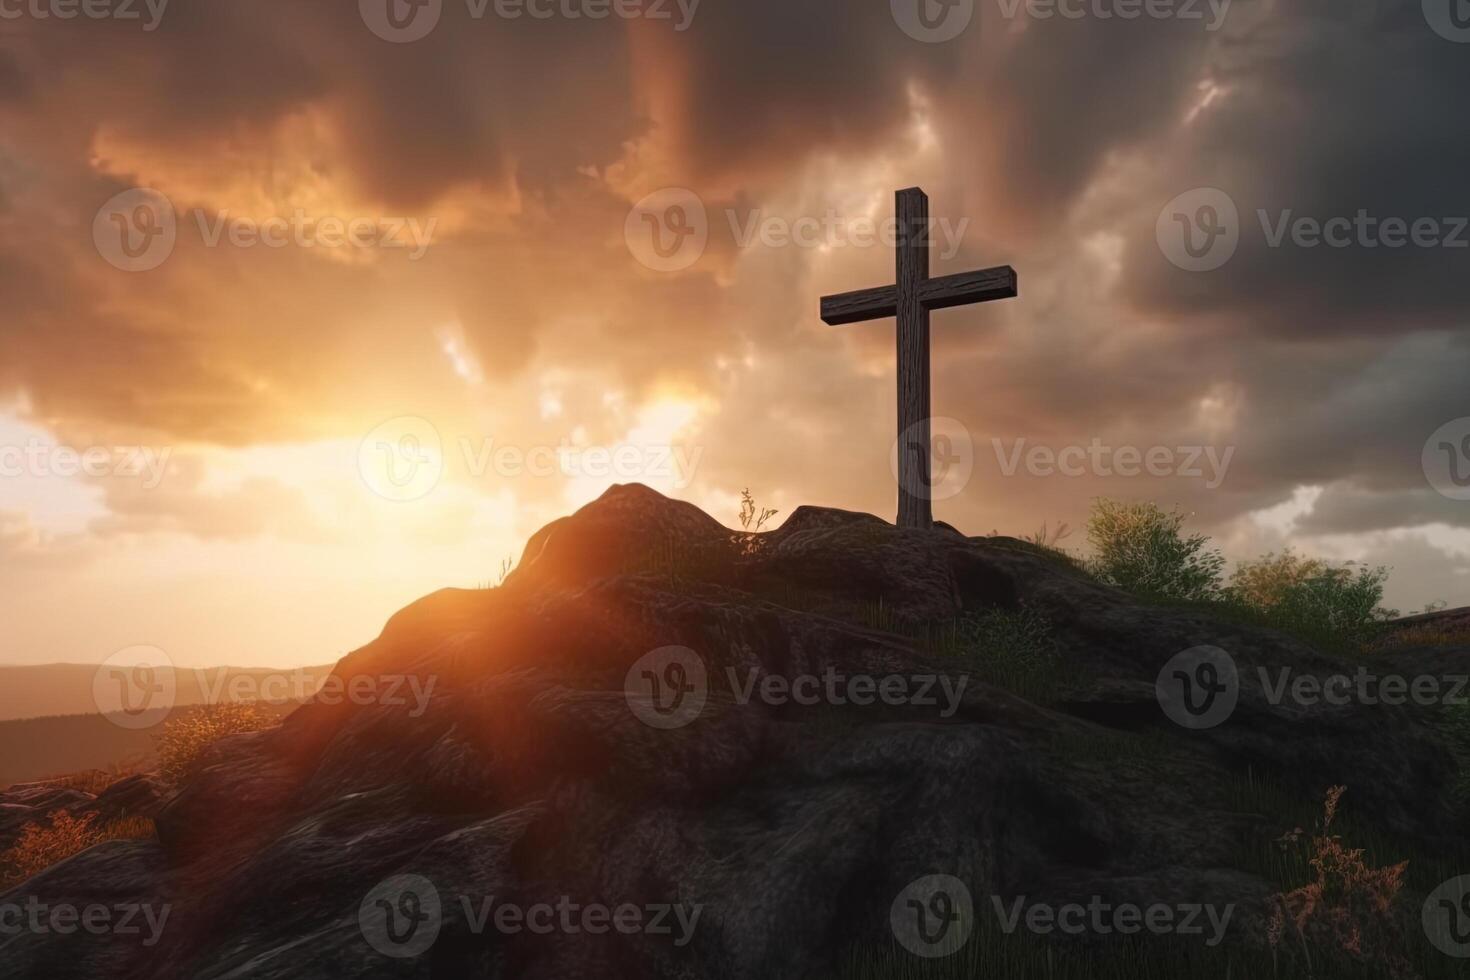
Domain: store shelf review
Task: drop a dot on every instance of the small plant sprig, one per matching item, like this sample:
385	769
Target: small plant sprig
1349	904
749	514
1049	539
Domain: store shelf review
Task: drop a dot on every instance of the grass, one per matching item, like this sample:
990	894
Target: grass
94	781
185	738
1051	553
42	845
1013	649
1340	915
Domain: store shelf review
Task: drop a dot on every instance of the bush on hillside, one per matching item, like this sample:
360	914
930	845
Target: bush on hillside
1142	548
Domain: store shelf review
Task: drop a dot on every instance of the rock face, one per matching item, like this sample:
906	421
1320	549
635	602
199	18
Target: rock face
135	796
509	746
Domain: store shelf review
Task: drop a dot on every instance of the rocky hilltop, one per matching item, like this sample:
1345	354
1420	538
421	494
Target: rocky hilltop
774	745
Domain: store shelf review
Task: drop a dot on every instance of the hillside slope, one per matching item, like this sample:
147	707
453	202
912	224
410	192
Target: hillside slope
604	730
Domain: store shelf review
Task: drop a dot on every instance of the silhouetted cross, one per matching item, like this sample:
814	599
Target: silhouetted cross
910	299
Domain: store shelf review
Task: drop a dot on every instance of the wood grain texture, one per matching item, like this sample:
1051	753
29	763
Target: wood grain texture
910	300
911	273
959	289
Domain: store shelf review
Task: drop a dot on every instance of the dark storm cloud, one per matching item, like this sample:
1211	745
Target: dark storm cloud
1330	112
1323	353
1351	510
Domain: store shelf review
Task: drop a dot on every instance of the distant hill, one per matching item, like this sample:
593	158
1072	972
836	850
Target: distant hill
66	689
41	748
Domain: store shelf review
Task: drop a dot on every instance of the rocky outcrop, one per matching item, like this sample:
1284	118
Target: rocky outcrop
139	795
509	745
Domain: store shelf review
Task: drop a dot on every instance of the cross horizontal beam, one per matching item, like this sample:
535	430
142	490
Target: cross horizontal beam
960	289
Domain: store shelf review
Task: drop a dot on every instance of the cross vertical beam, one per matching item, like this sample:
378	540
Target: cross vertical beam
912	272
910	299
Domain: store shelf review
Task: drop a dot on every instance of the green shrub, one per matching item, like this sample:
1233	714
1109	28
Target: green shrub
1310	597
1141	548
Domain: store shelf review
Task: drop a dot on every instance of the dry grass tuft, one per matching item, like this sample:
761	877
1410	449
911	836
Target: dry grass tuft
42	845
185	738
1347	908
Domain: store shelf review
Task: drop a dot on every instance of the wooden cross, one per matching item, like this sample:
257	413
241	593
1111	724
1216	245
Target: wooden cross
910	299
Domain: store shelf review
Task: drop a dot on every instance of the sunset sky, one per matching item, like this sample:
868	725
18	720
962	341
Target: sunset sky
246	409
